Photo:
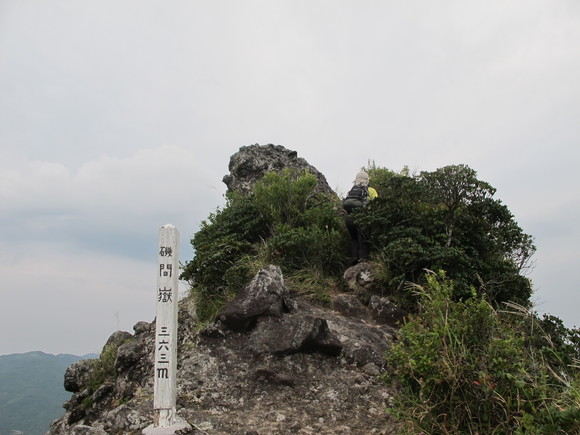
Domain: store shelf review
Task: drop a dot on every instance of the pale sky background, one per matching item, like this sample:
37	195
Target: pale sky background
117	117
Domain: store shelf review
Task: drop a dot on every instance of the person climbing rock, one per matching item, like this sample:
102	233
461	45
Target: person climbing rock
358	197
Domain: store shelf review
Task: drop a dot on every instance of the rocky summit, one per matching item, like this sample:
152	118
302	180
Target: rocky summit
271	363
251	162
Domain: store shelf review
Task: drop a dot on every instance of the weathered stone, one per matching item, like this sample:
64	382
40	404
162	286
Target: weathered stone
371	369
125	419
361	343
141	327
76	414
77	399
272	363
290	386
294	333
349	305
265	296
116	339
274	377
386	312
251	162
213	330
87	430
77	375
360	277
103	391
128	354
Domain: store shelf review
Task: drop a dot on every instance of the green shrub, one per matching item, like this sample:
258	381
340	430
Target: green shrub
464	367
306	248
103	368
283	197
447	219
223	238
283	221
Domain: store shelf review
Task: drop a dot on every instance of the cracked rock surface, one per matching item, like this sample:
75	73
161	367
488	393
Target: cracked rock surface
271	363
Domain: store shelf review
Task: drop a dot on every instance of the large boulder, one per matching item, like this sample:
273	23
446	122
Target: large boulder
384	311
276	323
251	162
293	334
78	374
116	339
360	277
349	305
129	354
272	362
265	296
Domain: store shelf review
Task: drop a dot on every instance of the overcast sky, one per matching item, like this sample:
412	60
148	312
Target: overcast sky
117	117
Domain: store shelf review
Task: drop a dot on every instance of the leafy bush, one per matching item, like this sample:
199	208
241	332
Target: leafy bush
446	219
283	221
462	364
222	239
464	367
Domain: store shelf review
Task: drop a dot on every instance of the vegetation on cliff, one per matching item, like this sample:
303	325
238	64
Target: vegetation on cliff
442	220
472	356
446	220
466	367
282	221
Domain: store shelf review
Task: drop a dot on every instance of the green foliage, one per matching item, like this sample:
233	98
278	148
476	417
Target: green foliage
464	367
225	236
447	219
282	198
557	345
315	285
309	247
283	221
103	368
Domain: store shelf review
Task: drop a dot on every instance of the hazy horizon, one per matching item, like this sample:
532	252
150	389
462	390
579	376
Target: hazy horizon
119	117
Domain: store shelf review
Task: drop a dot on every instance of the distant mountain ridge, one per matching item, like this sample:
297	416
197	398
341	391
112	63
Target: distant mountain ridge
31	390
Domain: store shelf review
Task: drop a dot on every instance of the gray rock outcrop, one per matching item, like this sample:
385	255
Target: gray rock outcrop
251	162
265	296
271	363
78	375
360	277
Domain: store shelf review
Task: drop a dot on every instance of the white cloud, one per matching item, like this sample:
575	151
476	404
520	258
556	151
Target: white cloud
110	197
91	92
34	186
59	299
152	181
79	249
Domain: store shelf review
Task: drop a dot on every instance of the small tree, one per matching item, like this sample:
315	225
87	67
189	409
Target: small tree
452	189
449	220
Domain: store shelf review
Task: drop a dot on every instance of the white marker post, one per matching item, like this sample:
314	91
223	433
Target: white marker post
166	328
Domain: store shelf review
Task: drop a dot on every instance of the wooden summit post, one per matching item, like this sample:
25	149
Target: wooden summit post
164	389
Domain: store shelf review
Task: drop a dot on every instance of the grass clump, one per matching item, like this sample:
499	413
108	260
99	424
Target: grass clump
103	368
465	367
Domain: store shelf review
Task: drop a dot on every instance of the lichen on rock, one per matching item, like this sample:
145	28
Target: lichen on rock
250	163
